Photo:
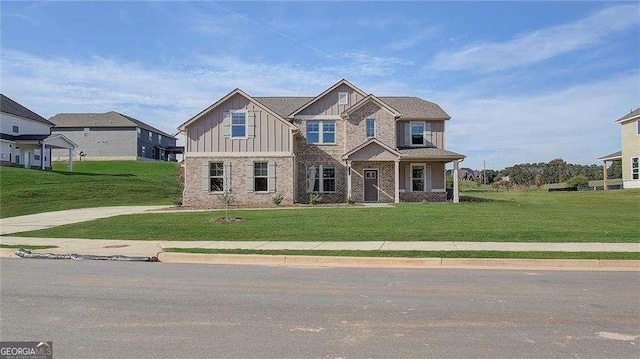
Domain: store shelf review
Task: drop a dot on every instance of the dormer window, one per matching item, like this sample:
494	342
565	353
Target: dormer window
343	98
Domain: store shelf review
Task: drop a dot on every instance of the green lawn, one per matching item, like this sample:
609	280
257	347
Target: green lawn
526	216
92	184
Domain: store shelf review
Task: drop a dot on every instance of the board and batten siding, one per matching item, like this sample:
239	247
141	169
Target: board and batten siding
327	105
207	134
437	133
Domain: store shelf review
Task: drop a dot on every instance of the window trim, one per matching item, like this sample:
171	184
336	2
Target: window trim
222	177
321	131
366	127
265	176
15	126
343	95
321	179
246	125
635	171
424	128
424	177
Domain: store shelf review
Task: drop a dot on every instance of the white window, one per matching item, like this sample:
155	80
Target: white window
15	126
321	132
417	178
138	130
159	138
343	98
635	168
86	132
150	136
238	125
260	176
371	128
216	177
143	151
417	134
321	179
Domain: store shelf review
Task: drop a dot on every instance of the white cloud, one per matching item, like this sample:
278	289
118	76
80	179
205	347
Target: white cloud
542	44
413	40
576	123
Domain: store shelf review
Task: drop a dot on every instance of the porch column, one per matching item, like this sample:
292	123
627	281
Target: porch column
70	161
456	190
604	170
397	181
42	157
348	178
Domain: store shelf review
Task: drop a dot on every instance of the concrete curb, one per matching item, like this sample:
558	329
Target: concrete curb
377	262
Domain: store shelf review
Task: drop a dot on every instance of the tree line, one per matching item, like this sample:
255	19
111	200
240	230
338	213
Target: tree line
554	171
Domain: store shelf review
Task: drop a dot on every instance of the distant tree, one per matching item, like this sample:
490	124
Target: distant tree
538	181
577	181
615	170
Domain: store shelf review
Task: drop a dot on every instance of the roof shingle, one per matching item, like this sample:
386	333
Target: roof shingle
11	107
108	119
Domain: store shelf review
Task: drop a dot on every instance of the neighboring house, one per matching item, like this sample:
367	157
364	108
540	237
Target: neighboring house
114	136
25	137
630	154
340	143
181	141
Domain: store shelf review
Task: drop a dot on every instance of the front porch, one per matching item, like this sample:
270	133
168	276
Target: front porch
378	173
34	151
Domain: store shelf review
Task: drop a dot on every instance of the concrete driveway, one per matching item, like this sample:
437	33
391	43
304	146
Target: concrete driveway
37	221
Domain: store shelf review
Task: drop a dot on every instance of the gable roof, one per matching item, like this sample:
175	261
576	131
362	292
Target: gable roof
107	119
225	98
341	82
367	143
11	107
415	107
630	116
370	98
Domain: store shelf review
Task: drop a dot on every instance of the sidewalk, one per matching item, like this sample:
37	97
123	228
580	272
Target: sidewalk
151	248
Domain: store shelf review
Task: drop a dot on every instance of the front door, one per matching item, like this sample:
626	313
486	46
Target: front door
371	185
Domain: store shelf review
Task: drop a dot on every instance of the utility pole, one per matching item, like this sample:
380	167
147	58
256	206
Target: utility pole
484	171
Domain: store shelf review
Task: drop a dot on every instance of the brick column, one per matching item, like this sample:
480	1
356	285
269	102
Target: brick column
456	190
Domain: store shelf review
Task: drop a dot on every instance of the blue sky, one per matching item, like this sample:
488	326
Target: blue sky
522	81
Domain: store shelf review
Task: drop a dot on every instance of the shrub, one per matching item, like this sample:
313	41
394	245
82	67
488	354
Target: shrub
351	199
277	199
577	181
314	198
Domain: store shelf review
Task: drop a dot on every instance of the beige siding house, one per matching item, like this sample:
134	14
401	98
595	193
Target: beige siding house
631	149
339	144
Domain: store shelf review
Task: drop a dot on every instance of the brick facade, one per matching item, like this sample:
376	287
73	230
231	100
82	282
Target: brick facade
291	172
195	197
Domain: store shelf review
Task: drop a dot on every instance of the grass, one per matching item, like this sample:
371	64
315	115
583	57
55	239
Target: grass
525	216
419	254
92	184
25	246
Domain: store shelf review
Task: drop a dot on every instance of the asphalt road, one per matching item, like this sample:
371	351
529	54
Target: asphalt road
117	309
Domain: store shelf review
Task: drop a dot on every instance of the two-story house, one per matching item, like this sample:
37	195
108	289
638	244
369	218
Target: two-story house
25	137
339	144
114	136
630	154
